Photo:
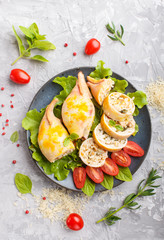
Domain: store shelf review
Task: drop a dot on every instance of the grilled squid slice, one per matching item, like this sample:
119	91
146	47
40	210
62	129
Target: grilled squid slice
100	88
78	111
106	142
91	154
118	106
52	134
120	130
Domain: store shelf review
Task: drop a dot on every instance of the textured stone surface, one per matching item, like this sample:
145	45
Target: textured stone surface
75	22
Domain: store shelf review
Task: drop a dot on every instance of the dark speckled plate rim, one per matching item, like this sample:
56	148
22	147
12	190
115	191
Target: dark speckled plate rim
27	138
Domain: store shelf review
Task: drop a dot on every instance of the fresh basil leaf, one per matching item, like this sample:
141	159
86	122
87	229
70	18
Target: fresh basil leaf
136	111
23	183
120	85
43	45
136	129
124	174
39	58
140	99
89	187
112	122
14	137
31	122
73	136
19	41
26	32
68	84
66	141
34	29
107	182
101	72
119	127
59	168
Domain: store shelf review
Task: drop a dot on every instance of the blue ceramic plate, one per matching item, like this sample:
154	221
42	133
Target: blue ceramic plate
143	137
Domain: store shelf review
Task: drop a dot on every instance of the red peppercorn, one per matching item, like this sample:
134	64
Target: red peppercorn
12	95
3	133
74	54
14	161
66	45
2	105
2	88
3	128
0	114
126	61
18	145
27	211
6	124
44	198
7	120
12	106
11	101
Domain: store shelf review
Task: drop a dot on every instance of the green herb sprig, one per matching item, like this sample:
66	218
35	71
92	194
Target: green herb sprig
34	40
110	218
117	34
71	137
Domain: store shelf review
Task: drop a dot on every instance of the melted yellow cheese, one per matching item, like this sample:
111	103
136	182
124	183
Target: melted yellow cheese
74	103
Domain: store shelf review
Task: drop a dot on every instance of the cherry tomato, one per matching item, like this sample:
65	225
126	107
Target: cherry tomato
75	222
79	176
110	167
133	149
95	174
121	158
19	76
92	46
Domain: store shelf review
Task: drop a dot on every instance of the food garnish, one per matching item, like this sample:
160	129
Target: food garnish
117	35
34	40
19	76
23	183
75	222
92	46
110	218
14	137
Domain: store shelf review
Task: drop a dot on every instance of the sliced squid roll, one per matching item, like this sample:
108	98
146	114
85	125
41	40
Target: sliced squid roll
119	130
118	106
91	154
52	134
100	88
106	142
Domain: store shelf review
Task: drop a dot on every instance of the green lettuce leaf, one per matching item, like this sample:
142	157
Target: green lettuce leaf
101	72
140	99
98	114
136	111
136	129
120	85
31	122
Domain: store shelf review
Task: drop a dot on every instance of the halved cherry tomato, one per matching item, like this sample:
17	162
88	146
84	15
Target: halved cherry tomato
75	222
121	158
79	176
133	149
92	46
110	167
19	76
95	174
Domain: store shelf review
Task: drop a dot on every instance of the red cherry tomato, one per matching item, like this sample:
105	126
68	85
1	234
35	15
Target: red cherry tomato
19	76
133	149
92	46
79	176
75	222
95	174
121	158
110	167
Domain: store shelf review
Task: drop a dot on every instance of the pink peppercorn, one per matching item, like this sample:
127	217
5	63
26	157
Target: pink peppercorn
11	101
3	133
74	54
2	105
44	198
18	145
7	120
2	88
14	161
27	211
66	45
0	114
12	106
12	95
126	61
3	128
6	124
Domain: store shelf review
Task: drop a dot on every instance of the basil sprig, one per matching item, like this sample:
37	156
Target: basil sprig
71	137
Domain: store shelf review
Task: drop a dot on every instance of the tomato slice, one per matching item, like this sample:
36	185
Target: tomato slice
79	176
133	149
121	158
110	167
95	174
19	76
92	46
75	222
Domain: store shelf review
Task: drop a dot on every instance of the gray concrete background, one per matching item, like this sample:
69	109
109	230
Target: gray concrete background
75	22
